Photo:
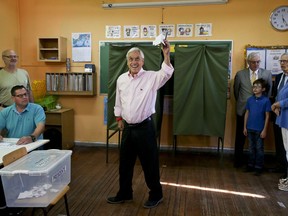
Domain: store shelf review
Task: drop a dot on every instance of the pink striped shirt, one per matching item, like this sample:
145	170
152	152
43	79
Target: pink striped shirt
136	96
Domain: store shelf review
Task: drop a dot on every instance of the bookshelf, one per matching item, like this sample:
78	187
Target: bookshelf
72	83
52	49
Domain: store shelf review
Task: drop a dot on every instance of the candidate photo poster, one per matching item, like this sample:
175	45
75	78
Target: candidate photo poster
113	31
131	31
148	31
184	30
203	29
170	29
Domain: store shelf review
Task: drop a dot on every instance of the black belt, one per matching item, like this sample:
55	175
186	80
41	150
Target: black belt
2	105
138	124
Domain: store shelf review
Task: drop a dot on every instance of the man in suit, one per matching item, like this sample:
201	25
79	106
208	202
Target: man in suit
242	91
279	147
280	108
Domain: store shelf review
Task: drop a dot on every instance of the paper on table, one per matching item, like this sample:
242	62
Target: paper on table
7	144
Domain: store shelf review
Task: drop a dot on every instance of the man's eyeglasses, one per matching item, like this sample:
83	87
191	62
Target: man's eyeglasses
21	95
254	62
11	56
283	61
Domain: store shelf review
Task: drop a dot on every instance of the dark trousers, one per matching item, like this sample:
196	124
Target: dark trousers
139	140
256	149
239	142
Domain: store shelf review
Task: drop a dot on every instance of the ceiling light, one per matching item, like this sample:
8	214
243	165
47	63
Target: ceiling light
161	4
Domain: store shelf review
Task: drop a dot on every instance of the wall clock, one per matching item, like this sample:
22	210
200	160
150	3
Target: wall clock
279	18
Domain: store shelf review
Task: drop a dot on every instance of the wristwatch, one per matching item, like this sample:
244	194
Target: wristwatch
33	138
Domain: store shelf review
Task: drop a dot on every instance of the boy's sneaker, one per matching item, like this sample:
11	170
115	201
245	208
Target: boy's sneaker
283	187
283	184
283	181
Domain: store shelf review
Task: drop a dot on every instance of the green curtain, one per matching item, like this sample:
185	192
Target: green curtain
118	65
200	89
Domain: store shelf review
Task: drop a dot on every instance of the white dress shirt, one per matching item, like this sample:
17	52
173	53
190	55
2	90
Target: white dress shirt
282	82
136	96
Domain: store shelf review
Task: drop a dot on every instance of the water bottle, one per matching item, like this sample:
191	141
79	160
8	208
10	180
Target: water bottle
68	65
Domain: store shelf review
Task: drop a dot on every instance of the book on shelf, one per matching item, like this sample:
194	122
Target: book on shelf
48	82
90	82
69	82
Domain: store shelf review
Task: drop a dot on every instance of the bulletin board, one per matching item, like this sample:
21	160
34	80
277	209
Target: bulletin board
270	56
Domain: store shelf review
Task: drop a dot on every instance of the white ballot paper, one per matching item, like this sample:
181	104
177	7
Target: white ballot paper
160	39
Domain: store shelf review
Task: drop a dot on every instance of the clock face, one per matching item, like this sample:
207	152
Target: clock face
279	18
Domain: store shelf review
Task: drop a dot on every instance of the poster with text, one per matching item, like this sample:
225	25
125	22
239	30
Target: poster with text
203	29
272	60
81	47
131	31
113	31
148	31
170	29
184	30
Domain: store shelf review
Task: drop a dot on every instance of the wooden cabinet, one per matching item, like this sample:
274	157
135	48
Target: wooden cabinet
52	49
71	83
63	121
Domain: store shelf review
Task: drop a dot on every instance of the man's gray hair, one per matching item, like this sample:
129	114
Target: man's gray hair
253	55
133	49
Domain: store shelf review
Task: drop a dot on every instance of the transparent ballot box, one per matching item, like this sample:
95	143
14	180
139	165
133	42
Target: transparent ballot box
37	178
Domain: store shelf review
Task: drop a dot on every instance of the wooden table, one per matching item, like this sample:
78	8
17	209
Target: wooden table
9	144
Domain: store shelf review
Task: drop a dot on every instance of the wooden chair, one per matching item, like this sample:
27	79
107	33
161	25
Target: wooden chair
18	153
14	155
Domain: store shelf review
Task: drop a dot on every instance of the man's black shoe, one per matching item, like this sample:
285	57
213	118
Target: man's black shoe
152	203
117	200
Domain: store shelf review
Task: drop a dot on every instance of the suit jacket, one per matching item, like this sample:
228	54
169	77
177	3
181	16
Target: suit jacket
274	94
243	88
275	86
282	97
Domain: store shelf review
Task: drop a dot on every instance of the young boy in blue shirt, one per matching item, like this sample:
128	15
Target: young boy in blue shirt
256	121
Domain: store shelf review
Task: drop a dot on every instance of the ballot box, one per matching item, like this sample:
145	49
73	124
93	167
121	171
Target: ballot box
37	178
